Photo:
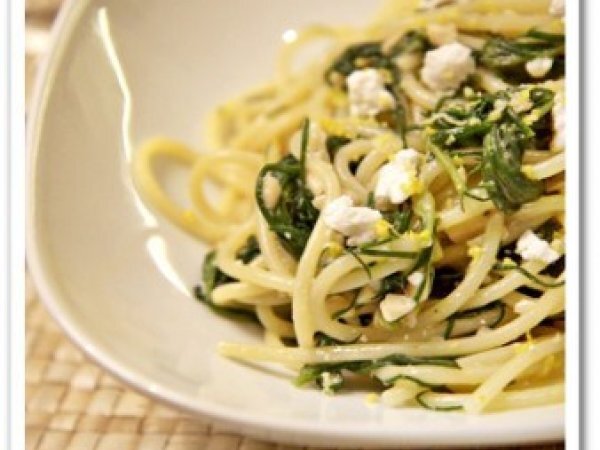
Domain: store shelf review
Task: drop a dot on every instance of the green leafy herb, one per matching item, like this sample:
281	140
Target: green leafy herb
361	56
509	56
397	118
470	313
423	261
506	185
392	283
324	340
336	315
400	122
412	42
464	122
315	375
392	380
397	282
294	216
363	264
528	275
460	122
424	404
400	218
334	143
461	136
371	200
213	277
303	150
444	159
249	251
311	372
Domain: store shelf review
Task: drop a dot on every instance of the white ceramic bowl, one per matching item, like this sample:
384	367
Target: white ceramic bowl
118	278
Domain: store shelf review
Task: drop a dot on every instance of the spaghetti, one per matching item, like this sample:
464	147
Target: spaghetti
395	207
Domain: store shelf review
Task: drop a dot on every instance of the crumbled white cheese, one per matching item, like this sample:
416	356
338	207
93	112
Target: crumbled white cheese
446	67
416	278
397	180
440	34
329	382
432	4
539	67
559	121
557	8
395	306
355	222
271	191
532	247
522	306
367	93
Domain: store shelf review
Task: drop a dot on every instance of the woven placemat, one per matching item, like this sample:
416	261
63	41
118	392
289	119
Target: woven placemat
72	404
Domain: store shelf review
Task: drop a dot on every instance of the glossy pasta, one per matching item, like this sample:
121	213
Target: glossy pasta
394	208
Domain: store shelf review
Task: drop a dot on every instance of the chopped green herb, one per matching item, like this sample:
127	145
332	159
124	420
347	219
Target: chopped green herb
528	275
424	404
412	42
361	56
311	372
496	305
509	56
213	277
392	380
294	216
324	340
506	185
334	143
363	264
400	219
249	251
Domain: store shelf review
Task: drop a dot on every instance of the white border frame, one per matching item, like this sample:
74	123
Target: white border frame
16	208
14	197
573	288
4	259
590	224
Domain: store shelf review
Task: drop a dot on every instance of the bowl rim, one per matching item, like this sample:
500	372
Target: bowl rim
276	429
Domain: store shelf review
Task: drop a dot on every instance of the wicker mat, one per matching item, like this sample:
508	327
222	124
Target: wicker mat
72	404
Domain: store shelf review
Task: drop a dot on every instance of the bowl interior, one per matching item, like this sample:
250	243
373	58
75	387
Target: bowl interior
119	278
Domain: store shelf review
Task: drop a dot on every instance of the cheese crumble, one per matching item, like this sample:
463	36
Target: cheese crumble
447	66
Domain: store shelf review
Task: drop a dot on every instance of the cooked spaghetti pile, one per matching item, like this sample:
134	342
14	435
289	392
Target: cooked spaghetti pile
394	208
